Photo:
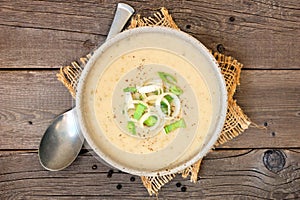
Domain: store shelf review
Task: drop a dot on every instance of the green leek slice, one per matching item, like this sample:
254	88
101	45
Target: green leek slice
169	98
173	107
176	90
175	125
131	127
130	89
164	107
167	77
139	111
151	121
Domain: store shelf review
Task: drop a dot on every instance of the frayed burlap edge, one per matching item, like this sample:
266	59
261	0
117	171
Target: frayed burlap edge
236	121
69	75
161	18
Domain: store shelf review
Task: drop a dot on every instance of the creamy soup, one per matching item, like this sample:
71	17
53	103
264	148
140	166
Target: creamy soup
133	68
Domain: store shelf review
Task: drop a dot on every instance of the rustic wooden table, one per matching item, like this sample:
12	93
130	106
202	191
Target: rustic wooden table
37	37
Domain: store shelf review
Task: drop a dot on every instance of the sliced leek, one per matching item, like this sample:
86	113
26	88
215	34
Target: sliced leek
167	78
175	125
154	105
151	121
171	114
176	90
130	89
139	111
131	127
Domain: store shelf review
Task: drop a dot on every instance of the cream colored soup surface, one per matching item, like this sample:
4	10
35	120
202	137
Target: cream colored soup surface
134	68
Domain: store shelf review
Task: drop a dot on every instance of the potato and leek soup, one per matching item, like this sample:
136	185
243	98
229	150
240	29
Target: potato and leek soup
151	100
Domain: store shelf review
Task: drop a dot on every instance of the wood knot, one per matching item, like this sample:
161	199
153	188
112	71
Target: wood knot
274	160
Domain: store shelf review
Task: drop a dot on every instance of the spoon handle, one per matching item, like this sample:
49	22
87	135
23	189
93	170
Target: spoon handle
123	13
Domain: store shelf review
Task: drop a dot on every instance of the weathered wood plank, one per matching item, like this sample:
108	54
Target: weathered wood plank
29	101
270	98
261	34
238	174
42	48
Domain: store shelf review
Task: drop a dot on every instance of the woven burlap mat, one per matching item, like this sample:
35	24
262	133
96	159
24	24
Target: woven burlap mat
236	121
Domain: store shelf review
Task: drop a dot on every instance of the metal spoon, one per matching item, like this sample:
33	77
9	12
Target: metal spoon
63	139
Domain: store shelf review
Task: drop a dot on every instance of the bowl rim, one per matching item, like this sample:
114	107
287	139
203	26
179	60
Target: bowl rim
164	30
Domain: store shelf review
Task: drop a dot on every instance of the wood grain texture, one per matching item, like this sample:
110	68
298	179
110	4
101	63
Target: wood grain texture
29	101
261	34
43	48
271	96
37	37
242	175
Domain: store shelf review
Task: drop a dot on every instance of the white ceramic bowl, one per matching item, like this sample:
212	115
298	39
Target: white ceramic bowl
130	57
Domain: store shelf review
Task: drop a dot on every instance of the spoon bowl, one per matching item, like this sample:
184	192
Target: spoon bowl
63	135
